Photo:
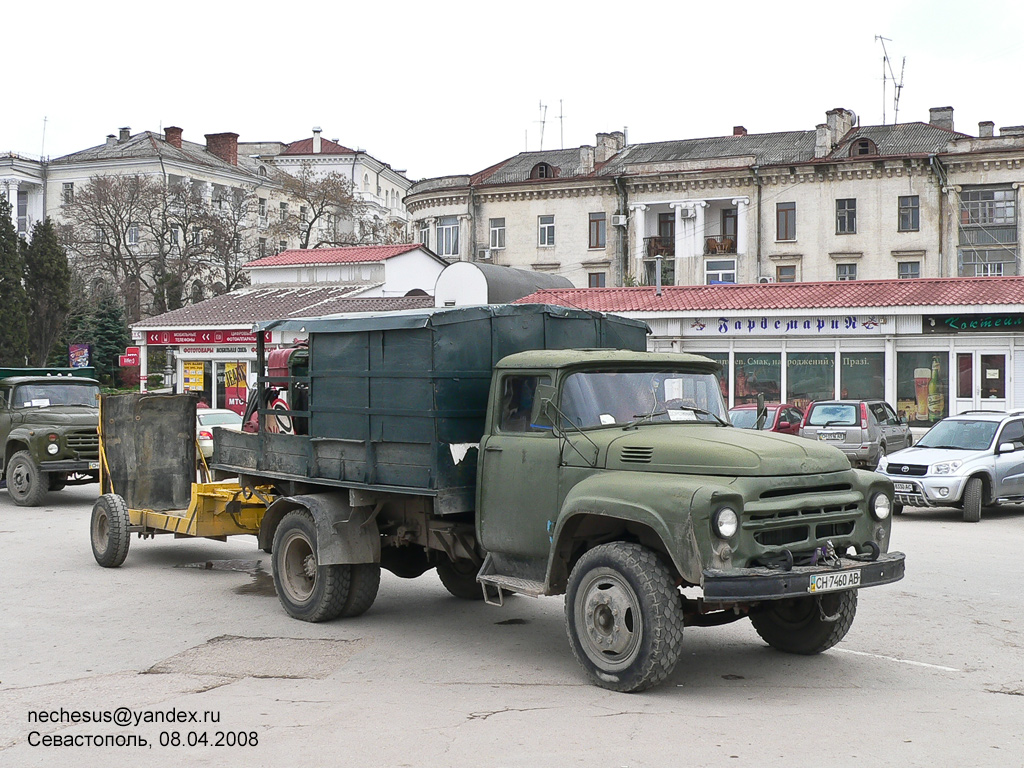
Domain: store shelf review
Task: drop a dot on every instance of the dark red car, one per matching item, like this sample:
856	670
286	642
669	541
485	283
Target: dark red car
782	417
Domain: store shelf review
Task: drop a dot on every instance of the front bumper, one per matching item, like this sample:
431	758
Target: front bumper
748	584
929	491
70	465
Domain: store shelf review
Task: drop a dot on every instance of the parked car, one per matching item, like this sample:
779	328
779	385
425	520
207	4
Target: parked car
207	419
969	461
865	430
782	417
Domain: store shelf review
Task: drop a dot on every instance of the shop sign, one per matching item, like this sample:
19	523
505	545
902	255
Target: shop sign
847	325
222	336
986	323
193	375
217	350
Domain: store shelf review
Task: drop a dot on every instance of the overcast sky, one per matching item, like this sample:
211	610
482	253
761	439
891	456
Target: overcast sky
447	87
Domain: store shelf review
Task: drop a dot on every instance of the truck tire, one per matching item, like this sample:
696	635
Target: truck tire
806	625
307	590
109	530
57	480
624	617
362	590
26	483
459	578
973	493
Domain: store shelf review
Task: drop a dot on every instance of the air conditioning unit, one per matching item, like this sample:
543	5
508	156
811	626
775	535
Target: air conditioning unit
619	220
483	254
686	213
766	279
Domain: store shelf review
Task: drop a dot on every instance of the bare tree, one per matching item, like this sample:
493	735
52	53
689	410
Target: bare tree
321	210
233	235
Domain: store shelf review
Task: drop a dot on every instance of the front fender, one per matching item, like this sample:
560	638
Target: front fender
674	507
344	534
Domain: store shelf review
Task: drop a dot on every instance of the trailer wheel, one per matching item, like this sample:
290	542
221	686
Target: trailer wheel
26	483
624	617
806	625
307	590
459	578
109	530
362	591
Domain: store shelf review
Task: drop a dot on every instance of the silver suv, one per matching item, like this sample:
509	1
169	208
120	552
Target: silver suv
865	430
970	461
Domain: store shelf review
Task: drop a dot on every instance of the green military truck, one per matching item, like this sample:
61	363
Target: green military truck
540	450
48	421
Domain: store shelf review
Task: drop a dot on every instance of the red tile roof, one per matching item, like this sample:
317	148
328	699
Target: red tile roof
354	254
327	147
878	294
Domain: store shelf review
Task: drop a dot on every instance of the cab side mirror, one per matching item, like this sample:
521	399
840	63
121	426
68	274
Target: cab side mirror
540	414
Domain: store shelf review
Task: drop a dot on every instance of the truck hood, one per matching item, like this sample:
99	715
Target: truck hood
714	450
57	416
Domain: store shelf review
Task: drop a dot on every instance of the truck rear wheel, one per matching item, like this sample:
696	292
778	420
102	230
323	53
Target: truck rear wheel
806	625
109	530
459	578
362	590
57	480
307	590
26	483
624	617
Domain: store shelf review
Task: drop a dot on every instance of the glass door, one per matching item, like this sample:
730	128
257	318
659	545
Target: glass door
980	381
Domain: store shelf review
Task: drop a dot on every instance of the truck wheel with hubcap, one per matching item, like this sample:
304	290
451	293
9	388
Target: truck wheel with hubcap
26	483
459	578
307	590
109	530
624	617
973	493
806	625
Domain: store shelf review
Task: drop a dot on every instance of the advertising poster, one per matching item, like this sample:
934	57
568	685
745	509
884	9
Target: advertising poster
235	392
922	380
78	355
193	374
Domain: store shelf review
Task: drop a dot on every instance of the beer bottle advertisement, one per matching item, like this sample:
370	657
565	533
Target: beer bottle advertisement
922	383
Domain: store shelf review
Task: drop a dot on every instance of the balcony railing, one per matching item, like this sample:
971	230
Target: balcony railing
719	245
659	246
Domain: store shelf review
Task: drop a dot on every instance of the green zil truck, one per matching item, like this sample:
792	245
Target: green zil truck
48	421
540	450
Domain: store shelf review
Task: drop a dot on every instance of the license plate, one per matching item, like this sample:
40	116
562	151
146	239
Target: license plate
903	487
840	436
830	582
94	465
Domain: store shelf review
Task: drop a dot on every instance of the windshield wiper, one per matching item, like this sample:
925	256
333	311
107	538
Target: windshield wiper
945	447
640	418
836	424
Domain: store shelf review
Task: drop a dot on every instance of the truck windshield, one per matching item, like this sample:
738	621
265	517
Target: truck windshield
604	398
42	395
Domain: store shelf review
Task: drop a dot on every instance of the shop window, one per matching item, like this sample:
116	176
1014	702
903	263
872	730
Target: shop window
722	358
755	373
922	383
809	377
993	376
861	375
965	375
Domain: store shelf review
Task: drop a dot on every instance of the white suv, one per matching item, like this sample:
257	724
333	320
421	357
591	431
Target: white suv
972	460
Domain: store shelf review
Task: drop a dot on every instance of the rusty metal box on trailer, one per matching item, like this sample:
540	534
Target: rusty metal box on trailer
397	400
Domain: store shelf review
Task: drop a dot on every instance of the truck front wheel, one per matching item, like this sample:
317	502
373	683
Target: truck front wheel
624	617
806	625
459	578
26	483
307	590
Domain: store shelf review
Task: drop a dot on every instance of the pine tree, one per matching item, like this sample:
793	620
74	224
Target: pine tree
48	285
13	300
110	336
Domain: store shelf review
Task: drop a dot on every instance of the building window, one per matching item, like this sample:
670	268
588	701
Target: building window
846	216
785	221
596	280
910	213
546	230
720	271
846	271
598	230
863	147
68	192
23	213
448	236
282	245
785	274
497	233
283	208
988	232
907	270
425	234
175	236
303	213
263	247
543	171
987	206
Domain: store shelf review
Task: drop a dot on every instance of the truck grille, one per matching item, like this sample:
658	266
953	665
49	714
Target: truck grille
773	535
84	442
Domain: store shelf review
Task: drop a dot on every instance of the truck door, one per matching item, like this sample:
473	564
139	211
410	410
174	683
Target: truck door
519	474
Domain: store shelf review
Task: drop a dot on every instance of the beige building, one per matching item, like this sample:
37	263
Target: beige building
840	202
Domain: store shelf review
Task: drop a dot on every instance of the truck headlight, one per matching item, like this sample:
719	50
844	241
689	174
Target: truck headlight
53	449
725	523
945	467
880	506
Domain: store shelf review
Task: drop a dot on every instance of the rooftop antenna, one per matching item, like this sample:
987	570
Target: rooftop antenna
561	126
42	147
543	117
887	74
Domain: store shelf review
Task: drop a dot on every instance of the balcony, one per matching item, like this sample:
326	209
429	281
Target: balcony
659	246
713	245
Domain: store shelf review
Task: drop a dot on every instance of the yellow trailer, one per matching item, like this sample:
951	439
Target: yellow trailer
148	479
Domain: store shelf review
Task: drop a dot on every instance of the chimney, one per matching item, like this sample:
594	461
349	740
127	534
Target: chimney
586	159
839	121
111	140
224	146
317	146
125	134
608	144
172	135
821	143
1012	130
739	130
986	129
941	117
